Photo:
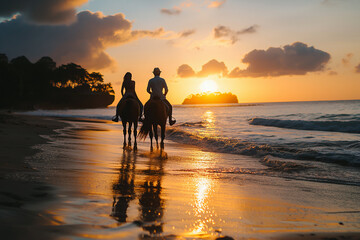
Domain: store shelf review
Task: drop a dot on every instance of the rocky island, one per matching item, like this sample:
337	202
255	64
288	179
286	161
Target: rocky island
210	98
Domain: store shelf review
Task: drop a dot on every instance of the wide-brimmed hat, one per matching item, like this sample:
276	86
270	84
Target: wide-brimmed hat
156	70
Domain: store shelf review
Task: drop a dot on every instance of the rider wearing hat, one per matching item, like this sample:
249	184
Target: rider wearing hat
155	88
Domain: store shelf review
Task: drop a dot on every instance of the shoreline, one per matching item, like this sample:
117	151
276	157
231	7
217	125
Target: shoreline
101	146
22	132
18	135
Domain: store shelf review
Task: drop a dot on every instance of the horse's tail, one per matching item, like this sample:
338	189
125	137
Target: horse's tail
145	129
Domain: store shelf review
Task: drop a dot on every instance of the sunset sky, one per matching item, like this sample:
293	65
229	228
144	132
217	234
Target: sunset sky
260	50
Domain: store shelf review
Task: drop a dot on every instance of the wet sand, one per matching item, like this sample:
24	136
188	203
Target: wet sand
78	182
22	214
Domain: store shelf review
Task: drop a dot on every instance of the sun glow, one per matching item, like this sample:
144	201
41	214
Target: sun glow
208	86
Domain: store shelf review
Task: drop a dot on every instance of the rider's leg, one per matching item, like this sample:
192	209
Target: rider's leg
171	121
141	107
118	106
116	117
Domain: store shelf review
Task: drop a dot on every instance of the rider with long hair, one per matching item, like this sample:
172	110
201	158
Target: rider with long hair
129	86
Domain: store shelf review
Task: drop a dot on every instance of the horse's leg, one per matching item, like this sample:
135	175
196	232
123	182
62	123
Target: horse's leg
124	132
162	136
156	135
135	134
129	132
151	137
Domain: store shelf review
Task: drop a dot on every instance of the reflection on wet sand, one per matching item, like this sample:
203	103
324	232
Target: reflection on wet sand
143	181
147	189
150	201
124	188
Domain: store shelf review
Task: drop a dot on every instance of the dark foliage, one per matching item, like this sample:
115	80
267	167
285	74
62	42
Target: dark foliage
26	85
211	98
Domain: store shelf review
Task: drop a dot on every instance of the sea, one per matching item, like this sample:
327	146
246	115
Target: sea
311	141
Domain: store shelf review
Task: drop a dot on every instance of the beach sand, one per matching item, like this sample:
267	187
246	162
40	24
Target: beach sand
18	135
77	182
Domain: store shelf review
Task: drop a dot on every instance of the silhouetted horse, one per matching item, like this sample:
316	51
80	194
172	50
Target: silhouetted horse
155	114
129	113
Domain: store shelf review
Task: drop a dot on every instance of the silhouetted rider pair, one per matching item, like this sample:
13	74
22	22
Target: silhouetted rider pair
155	88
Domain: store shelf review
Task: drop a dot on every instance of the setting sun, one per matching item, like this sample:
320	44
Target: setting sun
208	86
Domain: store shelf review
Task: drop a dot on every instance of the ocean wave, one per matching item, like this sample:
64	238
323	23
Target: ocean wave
340	117
318	116
283	166
237	146
285	169
330	126
201	124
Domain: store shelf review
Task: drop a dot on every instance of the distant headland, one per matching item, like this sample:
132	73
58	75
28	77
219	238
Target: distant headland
27	86
210	98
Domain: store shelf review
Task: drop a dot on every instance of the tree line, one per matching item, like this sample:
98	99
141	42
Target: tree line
27	85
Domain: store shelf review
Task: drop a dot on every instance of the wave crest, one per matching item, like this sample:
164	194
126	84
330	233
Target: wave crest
237	146
330	126
200	124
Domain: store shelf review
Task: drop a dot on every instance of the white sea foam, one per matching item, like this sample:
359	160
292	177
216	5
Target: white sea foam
301	151
332	126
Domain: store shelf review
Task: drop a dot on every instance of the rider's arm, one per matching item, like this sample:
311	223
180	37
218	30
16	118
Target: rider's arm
166	88
122	89
148	88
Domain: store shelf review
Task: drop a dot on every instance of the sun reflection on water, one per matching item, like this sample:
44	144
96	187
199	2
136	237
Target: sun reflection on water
209	118
203	216
203	188
208	123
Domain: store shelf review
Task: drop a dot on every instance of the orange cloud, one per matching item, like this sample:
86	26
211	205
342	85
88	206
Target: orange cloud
357	68
177	9
187	33
216	4
42	11
294	59
332	73
83	41
185	71
213	67
347	58
173	11
223	32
